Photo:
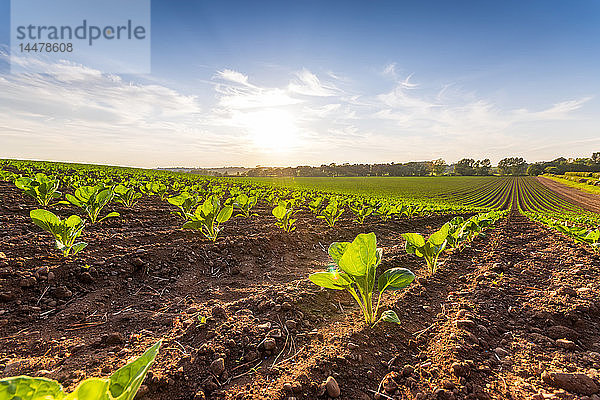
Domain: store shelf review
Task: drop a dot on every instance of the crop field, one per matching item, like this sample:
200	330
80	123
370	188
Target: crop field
417	188
288	289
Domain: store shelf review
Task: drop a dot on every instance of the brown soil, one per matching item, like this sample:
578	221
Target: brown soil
484	326
585	200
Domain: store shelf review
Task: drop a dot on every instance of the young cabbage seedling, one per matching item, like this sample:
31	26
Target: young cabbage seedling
592	238
208	217
316	205
127	196
361	211
122	385
331	213
8	176
455	232
410	210
64	231
92	200
431	249
42	188
245	203
284	213
385	211
155	189
355	270
185	202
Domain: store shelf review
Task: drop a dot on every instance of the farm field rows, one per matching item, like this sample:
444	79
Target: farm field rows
508	303
417	188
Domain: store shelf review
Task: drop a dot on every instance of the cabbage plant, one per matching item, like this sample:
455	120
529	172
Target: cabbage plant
122	385
185	202
155	189
429	249
65	232
355	271
284	212
208	217
316	205
245	203
42	188
331	213
92	200
127	196
361	211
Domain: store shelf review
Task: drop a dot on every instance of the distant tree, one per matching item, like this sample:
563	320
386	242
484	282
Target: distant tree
483	167
465	167
559	160
551	170
512	166
596	158
535	169
439	166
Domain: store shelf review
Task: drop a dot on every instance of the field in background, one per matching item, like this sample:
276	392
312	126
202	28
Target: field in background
399	187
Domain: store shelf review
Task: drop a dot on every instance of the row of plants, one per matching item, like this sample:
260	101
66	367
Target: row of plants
355	263
202	204
577	227
542	205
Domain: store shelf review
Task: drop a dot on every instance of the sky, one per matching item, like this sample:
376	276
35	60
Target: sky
282	83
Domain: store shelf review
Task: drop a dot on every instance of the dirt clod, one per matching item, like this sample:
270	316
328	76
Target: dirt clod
217	367
573	382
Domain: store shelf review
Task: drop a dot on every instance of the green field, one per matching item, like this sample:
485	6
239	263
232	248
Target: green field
398	187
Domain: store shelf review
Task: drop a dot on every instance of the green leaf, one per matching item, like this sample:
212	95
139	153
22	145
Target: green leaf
23	183
208	207
90	389
126	381
390	316
77	247
241	200
45	219
331	280
414	243
73	220
414	239
74	200
84	193
336	250
279	212
225	214
359	255
437	238
193	225
109	215
27	388
394	279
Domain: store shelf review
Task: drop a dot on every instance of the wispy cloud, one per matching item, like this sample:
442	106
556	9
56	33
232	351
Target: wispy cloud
308	84
233	76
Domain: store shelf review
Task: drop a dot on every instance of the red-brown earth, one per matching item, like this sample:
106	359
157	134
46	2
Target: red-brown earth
513	316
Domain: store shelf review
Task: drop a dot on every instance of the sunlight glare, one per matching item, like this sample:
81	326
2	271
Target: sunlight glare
272	129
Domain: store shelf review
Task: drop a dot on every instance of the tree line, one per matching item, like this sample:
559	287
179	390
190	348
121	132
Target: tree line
466	167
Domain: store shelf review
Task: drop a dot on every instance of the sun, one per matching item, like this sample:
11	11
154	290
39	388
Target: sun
272	129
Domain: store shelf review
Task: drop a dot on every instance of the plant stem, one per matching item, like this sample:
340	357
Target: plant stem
355	295
378	301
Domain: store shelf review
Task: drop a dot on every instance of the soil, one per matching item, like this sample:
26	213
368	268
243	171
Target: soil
498	320
587	201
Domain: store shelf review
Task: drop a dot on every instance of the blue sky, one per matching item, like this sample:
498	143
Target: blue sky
308	82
